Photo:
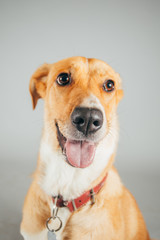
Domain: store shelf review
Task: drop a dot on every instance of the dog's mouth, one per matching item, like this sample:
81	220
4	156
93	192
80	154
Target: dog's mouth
79	154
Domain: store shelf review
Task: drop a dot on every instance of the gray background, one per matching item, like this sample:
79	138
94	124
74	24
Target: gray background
126	34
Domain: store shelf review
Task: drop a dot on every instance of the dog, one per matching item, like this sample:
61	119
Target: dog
76	191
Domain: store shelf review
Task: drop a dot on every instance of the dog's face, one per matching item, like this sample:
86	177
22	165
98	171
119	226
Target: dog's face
81	97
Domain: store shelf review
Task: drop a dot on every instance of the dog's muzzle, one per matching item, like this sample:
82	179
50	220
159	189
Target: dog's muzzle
85	121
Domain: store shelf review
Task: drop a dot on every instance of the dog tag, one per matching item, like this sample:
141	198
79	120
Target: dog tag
51	236
54	224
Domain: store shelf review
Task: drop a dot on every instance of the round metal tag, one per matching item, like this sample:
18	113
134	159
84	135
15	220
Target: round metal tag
54	224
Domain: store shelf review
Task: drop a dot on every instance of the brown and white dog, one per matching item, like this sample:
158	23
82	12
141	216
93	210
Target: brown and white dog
76	157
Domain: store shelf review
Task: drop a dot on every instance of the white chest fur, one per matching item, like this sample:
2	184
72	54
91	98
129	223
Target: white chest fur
60	178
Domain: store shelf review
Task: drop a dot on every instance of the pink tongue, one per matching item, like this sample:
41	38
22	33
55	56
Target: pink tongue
80	153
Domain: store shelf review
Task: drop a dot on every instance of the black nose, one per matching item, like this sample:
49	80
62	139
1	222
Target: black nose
87	120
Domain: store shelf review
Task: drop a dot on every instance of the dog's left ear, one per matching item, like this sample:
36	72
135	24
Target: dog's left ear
38	83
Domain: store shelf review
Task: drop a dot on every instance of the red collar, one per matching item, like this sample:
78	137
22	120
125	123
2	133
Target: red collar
77	203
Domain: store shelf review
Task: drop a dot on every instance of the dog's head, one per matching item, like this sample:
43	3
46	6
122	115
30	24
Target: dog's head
81	97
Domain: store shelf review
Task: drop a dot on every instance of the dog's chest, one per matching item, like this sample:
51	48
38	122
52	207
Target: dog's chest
88	223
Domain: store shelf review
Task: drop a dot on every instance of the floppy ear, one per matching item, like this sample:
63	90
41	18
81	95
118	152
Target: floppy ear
38	83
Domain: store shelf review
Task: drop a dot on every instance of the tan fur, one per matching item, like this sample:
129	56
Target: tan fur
115	214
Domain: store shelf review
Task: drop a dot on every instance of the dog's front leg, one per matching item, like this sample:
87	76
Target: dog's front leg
35	213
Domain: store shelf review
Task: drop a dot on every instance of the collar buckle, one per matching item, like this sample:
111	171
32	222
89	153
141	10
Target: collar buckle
92	194
74	205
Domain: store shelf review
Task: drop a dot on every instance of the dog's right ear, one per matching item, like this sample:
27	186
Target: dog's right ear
38	83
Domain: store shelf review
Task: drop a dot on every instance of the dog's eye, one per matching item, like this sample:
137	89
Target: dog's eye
63	79
108	85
